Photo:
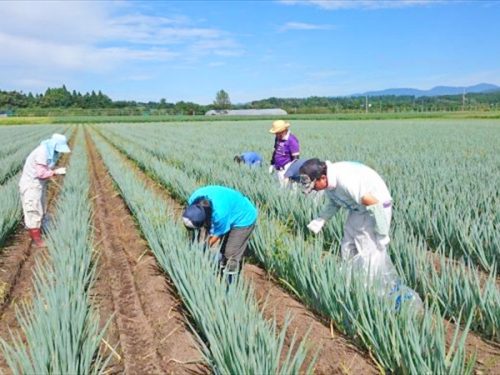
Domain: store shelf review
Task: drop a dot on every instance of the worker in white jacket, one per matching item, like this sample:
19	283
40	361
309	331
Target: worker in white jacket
38	169
362	191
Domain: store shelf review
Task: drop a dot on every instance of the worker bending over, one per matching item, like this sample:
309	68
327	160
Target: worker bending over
250	158
38	169
363	192
227	215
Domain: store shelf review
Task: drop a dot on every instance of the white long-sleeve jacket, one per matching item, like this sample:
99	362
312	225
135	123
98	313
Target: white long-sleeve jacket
36	170
348	182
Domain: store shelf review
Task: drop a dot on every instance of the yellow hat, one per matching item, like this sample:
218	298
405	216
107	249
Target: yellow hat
279	126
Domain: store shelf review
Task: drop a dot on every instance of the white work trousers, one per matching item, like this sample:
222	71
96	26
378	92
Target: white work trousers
280	175
33	202
367	250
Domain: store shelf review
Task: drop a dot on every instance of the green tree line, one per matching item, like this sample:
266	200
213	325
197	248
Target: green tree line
61	101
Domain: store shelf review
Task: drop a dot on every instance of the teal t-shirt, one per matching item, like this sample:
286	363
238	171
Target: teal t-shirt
230	208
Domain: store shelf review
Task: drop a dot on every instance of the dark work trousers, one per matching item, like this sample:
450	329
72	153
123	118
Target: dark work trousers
233	248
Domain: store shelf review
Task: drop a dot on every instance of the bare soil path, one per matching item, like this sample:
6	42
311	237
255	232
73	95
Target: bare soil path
148	330
17	266
336	354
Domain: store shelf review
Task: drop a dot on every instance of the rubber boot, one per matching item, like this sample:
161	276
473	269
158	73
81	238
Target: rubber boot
36	236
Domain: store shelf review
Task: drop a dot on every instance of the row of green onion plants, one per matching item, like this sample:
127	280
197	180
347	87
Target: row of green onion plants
14	137
10	208
235	338
60	328
447	178
455	286
407	341
18	146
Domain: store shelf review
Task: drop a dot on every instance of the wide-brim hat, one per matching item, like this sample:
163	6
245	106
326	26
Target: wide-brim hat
279	126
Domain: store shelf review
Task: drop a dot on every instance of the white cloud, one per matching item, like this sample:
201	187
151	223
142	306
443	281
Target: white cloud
218	47
57	38
304	26
156	30
31	51
56	21
360	4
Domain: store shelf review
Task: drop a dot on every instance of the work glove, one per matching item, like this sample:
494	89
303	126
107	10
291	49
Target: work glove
381	224
316	225
271	169
59	171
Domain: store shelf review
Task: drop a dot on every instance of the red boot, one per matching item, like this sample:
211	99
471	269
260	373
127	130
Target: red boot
36	236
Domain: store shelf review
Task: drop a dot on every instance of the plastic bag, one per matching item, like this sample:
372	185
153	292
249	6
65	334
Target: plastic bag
382	273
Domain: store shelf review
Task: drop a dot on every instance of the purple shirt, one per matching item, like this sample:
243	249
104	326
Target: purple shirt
284	150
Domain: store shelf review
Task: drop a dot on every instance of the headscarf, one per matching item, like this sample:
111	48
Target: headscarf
54	146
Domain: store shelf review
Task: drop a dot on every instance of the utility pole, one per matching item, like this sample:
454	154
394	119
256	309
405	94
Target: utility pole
463	100
366	103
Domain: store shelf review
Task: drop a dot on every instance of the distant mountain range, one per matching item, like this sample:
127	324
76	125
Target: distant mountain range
435	91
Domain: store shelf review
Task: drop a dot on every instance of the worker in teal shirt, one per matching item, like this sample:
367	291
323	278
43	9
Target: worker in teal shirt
227	215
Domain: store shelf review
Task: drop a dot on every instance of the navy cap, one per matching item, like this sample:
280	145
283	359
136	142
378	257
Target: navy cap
293	170
193	216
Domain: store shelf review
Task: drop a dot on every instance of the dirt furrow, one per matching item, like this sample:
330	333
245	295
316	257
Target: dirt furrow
336	354
148	322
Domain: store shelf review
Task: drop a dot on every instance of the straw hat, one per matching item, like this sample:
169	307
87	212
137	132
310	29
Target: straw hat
279	126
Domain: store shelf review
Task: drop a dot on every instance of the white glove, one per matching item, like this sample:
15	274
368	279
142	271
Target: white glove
271	169
316	225
61	170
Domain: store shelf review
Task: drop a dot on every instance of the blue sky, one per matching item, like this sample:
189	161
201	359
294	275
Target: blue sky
252	49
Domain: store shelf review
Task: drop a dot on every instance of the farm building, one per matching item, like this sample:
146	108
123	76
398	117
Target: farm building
247	112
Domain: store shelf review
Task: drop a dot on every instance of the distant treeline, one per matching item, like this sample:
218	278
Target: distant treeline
61	101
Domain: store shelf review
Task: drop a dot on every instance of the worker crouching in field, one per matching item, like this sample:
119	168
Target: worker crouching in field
38	169
363	192
250	158
227	215
286	149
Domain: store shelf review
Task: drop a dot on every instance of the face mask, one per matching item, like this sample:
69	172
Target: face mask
307	183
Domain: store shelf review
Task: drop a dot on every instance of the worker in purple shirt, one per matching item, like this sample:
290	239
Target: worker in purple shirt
286	149
250	158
